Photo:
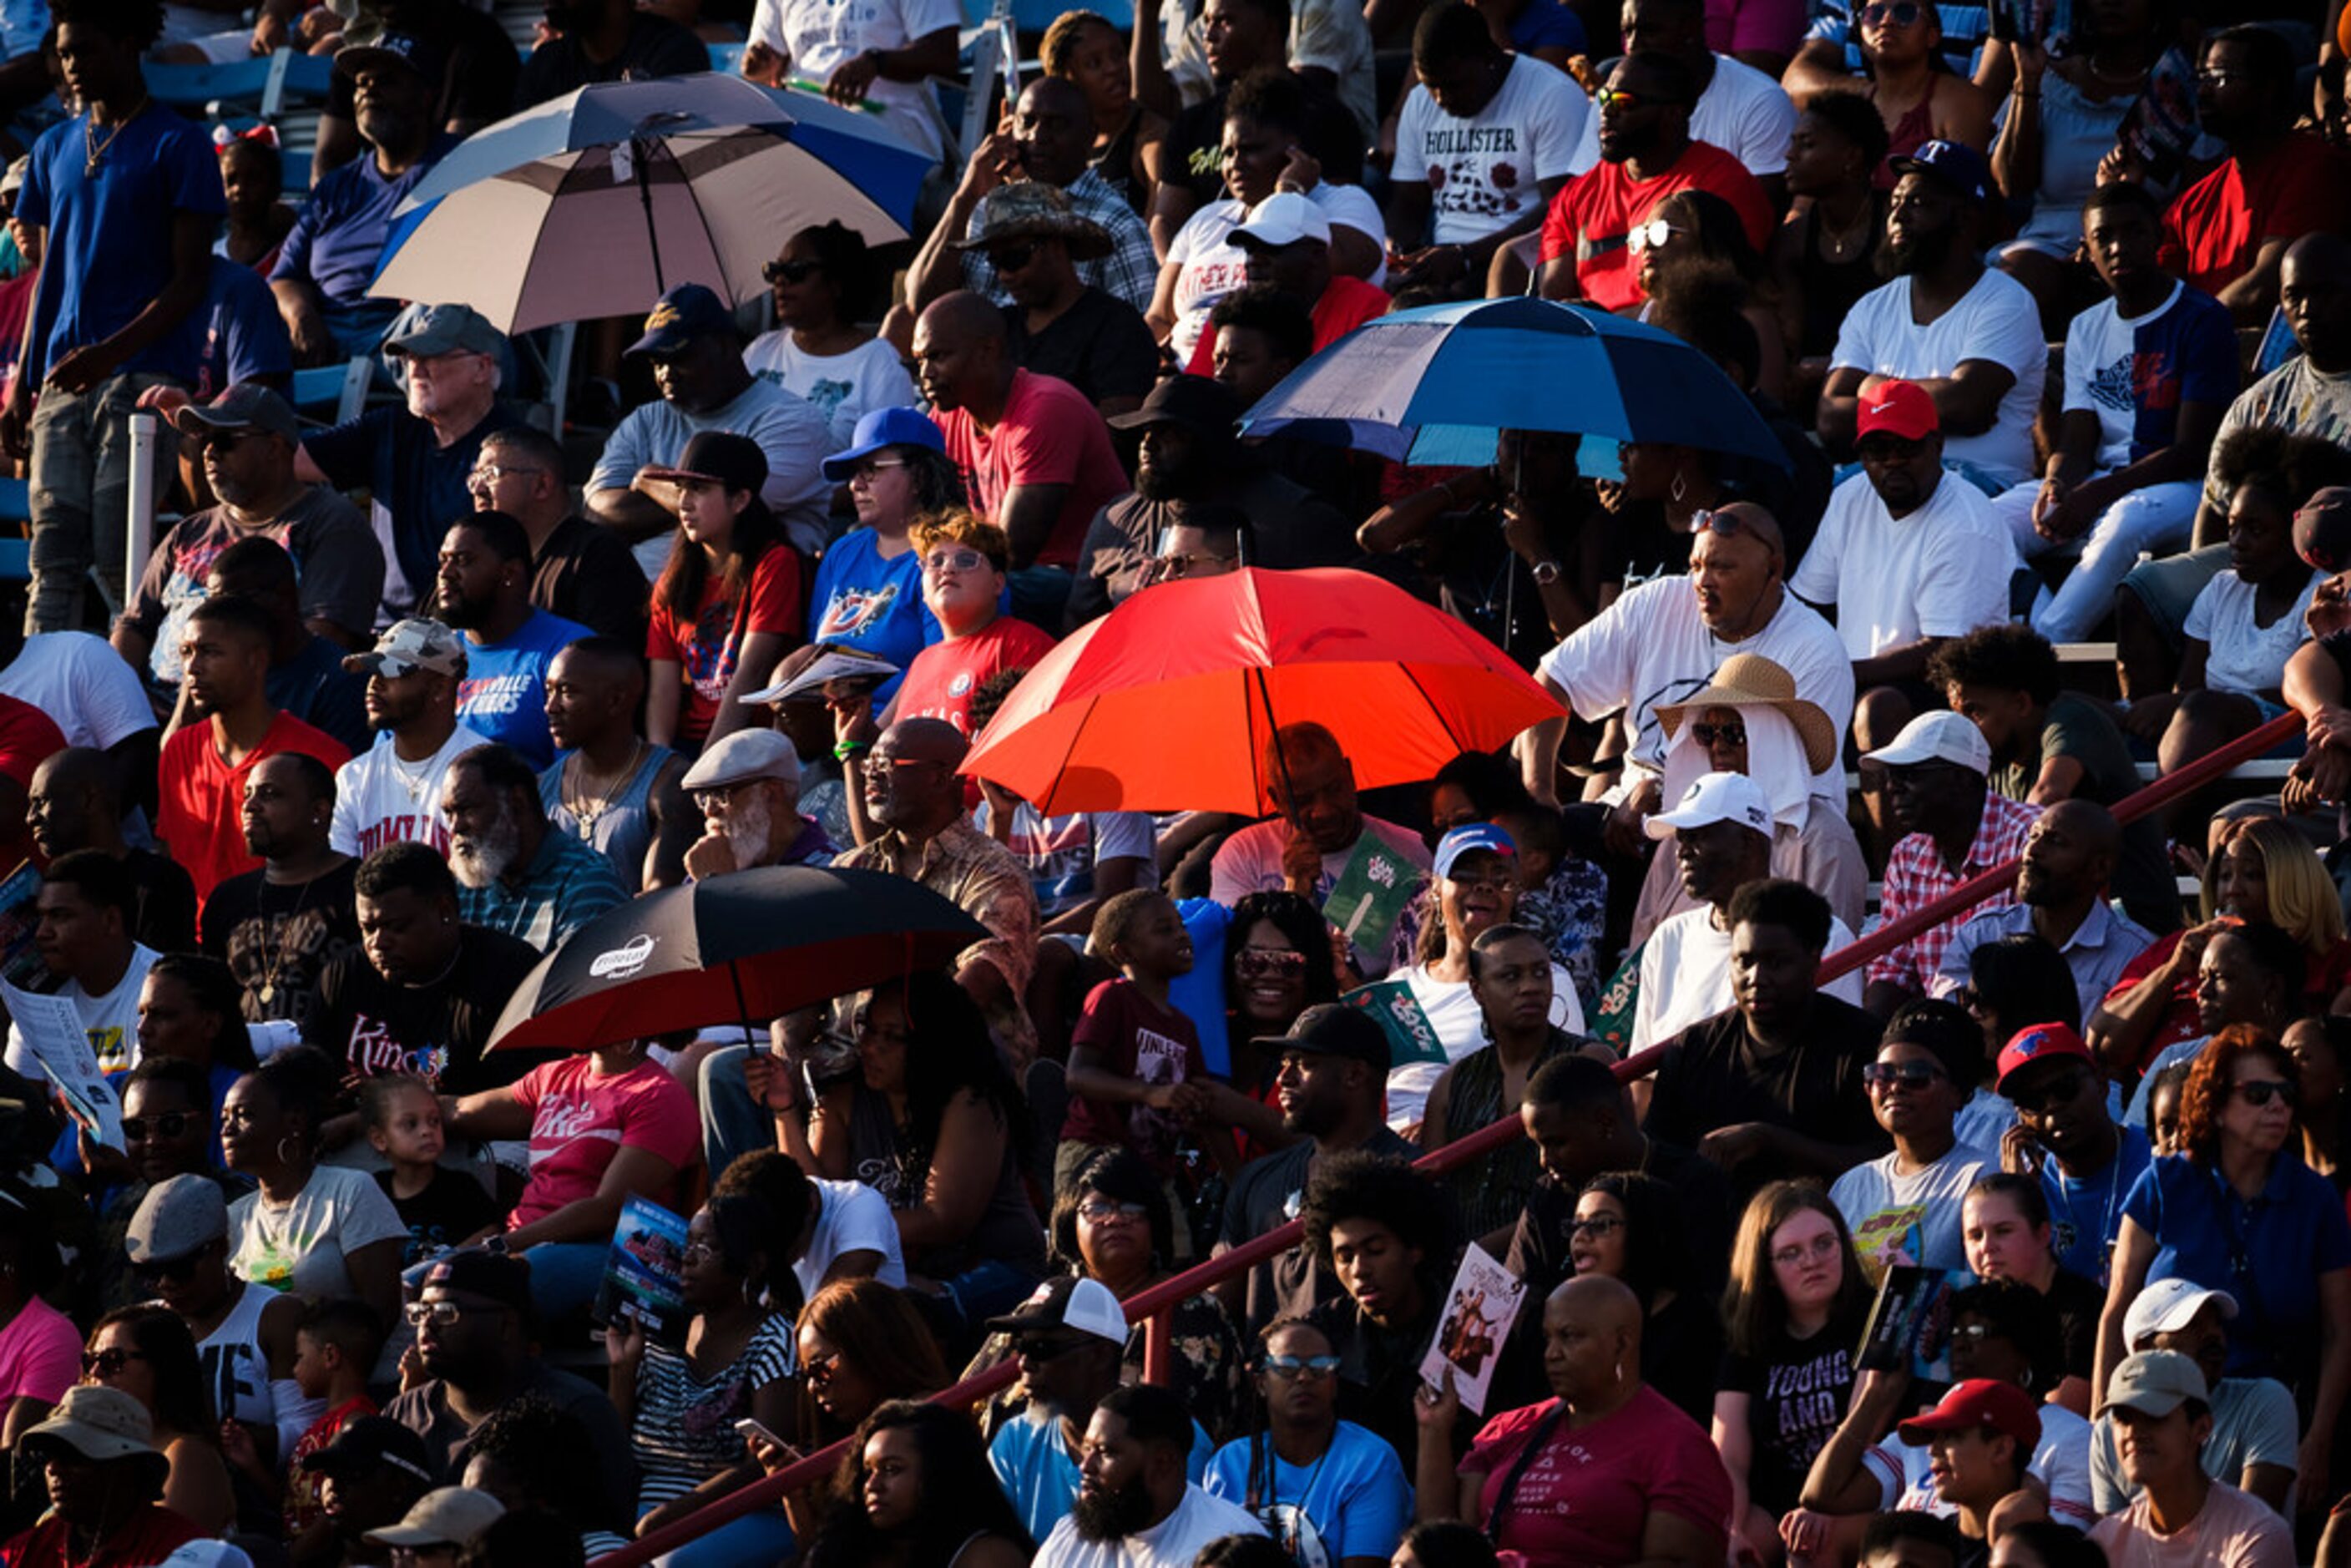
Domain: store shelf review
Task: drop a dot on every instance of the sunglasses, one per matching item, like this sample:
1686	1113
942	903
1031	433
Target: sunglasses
108	1363
1294	1367
1011	257
790	271
1617	97
1974	1333
2262	1090
1884	1075
1170	567
1653	235
1732	734
1258	963
2060	1088
954	561
1730	525
170	1125
873	467
175	1270
1892	14
1599	1227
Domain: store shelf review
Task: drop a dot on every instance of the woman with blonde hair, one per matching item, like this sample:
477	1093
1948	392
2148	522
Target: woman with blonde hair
1791	1315
2261	871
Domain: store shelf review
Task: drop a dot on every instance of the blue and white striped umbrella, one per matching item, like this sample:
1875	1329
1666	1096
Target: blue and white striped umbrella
1437	385
593	203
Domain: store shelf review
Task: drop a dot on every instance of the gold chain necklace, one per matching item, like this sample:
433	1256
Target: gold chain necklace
585	814
93	150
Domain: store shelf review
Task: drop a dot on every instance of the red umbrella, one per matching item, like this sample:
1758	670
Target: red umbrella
1169	701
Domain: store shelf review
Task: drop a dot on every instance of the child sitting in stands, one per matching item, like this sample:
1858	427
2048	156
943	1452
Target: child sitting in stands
440	1207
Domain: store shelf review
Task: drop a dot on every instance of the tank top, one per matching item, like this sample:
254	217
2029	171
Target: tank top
1830	288
236	1374
623	829
1115	164
1490	1192
1007	1232
1905	137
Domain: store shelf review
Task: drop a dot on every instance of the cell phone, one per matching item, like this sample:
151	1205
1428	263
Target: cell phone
747	1428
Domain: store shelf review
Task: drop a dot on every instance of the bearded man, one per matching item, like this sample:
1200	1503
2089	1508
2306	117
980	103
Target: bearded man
513	874
747	787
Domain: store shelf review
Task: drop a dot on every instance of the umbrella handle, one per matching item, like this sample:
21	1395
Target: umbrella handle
642	152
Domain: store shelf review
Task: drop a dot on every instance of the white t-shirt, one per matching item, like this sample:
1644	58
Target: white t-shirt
1996	320
2245	657
818	35
841	387
1652	648
1460	1025
1173	1542
1485	172
1915	1219
1324	35
852	1219
380	801
79	681
1213	267
302	1247
109	1021
2062	1459
1686	973
2101	349
1743	111
1942	571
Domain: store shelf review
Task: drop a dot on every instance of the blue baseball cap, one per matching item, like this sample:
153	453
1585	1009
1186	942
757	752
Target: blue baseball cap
1955	163
1471	840
679	316
883	427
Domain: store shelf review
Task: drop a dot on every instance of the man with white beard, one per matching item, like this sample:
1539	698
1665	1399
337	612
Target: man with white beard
513	874
747	787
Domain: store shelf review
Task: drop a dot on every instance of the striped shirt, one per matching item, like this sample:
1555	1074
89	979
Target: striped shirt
684	1430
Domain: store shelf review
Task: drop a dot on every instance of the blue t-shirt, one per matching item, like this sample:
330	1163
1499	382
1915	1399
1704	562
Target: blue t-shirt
2285	1238
503	692
1353	1502
416	489
245	336
1546	24
314	687
871	604
2084	1216
338	237
1034	1468
109	239
2134	373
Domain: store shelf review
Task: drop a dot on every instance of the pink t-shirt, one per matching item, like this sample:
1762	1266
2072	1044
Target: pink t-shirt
40	1355
579	1119
1049	435
1586	1498
2233	1530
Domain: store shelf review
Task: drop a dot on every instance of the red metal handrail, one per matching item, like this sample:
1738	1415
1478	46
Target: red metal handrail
1153	1303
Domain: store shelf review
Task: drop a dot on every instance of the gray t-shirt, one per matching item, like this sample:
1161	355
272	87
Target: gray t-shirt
788	429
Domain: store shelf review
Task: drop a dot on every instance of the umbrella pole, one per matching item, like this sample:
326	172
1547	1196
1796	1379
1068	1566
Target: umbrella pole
742	1008
1280	761
643	150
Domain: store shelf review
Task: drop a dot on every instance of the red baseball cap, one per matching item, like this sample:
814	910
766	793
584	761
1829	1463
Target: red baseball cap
1898	408
2039	1042
1979	1402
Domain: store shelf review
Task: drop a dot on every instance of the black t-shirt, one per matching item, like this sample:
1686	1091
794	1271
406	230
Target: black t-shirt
278	938
163	902
585	572
656	47
2078	1302
1098	345
1265	1196
452	1207
1797	1390
437	1031
1712	1076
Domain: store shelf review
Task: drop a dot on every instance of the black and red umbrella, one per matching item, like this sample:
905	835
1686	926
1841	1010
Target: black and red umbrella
740	949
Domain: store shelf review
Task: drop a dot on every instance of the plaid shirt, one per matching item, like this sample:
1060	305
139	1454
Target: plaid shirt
988	882
1915	876
1131	271
567	884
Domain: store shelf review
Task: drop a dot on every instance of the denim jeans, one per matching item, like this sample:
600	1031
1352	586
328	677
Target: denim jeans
564	1276
732	1126
761	1537
80	492
2154	520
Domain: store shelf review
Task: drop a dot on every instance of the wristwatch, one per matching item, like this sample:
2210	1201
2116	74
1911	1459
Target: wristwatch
1546	572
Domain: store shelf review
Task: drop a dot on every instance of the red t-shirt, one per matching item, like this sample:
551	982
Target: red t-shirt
28	738
304	1503
1049	435
580	1119
707	646
1134	1038
1346	304
1587	1496
200	799
939	683
1590	219
2215	228
152	1535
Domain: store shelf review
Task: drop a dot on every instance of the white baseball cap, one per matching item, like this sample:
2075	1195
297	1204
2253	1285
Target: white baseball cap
1939	737
1085	1306
2167	1305
1283	218
1715	798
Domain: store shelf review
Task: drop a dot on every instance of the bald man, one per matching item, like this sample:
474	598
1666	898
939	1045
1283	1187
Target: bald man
1663	639
74	801
913	801
613	788
1034	452
2069	860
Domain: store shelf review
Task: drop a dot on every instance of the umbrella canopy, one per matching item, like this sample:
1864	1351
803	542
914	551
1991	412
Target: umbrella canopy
1169	702
1437	385
740	949
594	204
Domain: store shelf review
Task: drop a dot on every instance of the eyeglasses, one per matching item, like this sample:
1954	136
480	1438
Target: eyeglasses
2258	1092
175	1270
1617	97
440	1314
1884	1075
1011	257
1653	235
1974	1333
1045	1347
1175	566
873	467
491	472
704	799
1891	14
1294	1368
1599	1227
954	561
1261	963
1732	734
1824	1246
108	1363
790	271
1110	1211
170	1125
